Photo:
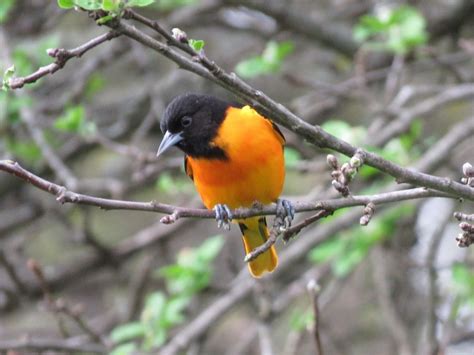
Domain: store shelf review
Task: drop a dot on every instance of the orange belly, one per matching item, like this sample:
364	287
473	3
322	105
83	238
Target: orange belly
254	170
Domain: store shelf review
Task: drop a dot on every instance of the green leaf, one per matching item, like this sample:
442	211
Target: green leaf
124	349
5	7
276	52
197	44
103	20
111	5
89	4
397	30
139	3
72	120
66	4
252	67
173	314
192	271
154	306
7	75
127	332
269	62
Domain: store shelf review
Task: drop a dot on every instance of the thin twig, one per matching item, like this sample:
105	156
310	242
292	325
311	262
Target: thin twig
59	306
15	278
314	290
61	56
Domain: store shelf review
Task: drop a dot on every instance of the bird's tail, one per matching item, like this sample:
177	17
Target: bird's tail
255	233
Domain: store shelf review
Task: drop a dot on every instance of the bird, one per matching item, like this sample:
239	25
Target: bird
235	157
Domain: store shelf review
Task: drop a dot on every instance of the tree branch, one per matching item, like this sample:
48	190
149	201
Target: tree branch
41	345
65	196
61	56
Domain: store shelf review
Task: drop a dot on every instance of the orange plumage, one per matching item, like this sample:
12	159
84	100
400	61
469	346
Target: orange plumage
254	172
235	158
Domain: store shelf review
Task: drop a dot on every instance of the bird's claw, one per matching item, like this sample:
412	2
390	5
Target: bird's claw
285	212
223	216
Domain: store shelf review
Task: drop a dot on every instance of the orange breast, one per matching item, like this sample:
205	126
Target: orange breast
255	168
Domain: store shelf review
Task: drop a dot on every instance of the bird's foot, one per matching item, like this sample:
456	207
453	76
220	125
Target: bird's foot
223	216
285	213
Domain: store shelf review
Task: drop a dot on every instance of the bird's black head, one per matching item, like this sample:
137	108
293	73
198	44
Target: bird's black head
191	122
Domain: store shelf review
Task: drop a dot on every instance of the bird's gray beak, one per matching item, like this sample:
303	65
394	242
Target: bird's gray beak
169	140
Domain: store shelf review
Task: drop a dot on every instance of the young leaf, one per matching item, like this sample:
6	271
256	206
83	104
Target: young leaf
139	3
269	62
111	5
89	4
7	75
252	67
66	4
124	349
72	120
197	44
127	331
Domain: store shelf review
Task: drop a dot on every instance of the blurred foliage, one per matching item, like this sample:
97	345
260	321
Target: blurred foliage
268	62
95	83
292	157
397	30
347	249
400	150
191	273
114	8
24	150
166	5
301	319
5	7
173	185
73	120
462	288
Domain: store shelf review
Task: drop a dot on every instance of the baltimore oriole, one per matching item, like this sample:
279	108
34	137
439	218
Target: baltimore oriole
235	158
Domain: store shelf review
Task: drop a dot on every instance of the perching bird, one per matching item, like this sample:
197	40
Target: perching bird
235	158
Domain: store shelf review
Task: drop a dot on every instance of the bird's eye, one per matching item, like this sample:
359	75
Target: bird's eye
186	121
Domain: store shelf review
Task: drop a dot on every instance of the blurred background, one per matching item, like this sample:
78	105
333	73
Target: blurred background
395	77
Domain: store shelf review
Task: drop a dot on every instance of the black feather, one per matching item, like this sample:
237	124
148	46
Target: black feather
207	113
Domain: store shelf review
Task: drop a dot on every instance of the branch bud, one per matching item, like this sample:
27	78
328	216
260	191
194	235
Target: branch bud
332	161
179	35
468	170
